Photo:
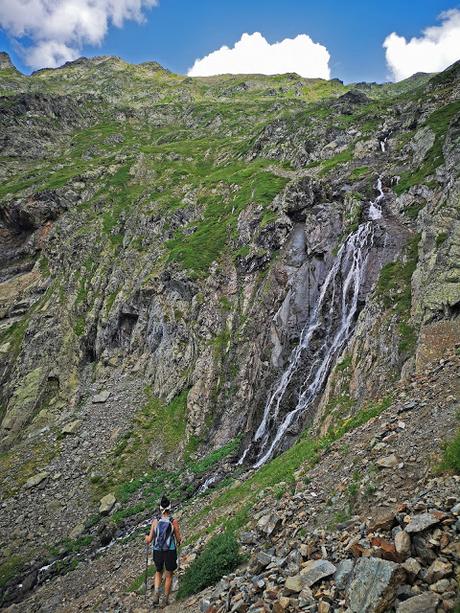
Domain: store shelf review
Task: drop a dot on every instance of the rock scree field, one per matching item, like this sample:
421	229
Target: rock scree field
242	291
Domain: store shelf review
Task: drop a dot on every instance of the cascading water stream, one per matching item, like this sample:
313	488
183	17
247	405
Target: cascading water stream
375	209
321	340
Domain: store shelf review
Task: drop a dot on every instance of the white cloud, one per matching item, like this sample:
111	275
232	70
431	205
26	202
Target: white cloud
253	54
437	48
59	28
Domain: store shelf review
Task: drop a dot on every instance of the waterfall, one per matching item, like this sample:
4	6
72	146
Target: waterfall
321	340
375	209
207	484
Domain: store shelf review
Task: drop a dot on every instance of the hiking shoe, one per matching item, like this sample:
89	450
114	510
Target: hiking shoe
156	598
164	601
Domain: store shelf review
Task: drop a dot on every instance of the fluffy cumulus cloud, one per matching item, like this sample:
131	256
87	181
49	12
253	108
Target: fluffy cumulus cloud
59	28
253	54
437	48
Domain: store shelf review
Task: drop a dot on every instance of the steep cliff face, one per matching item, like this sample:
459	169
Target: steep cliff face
165	245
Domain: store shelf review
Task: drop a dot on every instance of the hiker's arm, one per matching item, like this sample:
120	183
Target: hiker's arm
177	533
149	538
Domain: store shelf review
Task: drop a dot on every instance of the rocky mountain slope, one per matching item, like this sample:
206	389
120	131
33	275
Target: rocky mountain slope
196	274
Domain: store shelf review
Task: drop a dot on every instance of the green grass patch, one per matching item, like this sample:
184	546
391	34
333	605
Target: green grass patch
127	468
394	284
407	337
196	246
79	325
10	569
219	557
413	210
344	363
203	465
395	291
336	160
74	546
450	460
359	173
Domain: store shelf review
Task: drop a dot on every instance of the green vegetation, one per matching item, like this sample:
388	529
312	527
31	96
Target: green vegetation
394	288
129	458
441	238
24	466
450	461
140	580
235	185
219	557
43	265
344	363
439	122
413	210
71	546
339	158
142	492
10	569
394	284
203	465
359	172
306	451
340	517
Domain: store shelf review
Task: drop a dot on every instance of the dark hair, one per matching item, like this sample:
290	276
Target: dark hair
164	502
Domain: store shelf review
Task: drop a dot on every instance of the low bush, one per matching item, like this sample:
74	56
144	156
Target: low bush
451	455
219	557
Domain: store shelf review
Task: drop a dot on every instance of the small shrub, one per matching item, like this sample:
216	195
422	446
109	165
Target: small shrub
340	517
219	557
9	569
344	363
451	455
370	490
441	238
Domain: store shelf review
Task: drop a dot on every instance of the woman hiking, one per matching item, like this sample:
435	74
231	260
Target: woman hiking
166	537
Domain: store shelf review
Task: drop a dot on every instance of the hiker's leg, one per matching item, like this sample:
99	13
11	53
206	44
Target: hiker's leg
168	582
158	579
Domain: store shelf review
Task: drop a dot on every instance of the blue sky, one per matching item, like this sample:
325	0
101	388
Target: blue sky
176	32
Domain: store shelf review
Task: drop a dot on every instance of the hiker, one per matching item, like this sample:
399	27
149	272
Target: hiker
166	532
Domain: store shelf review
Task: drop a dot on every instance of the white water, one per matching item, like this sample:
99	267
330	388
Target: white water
321	340
375	208
98	551
206	485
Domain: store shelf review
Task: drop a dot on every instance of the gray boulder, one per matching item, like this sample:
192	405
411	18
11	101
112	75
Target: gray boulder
421	522
343	573
315	570
373	587
106	504
101	397
36	480
423	603
268	524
